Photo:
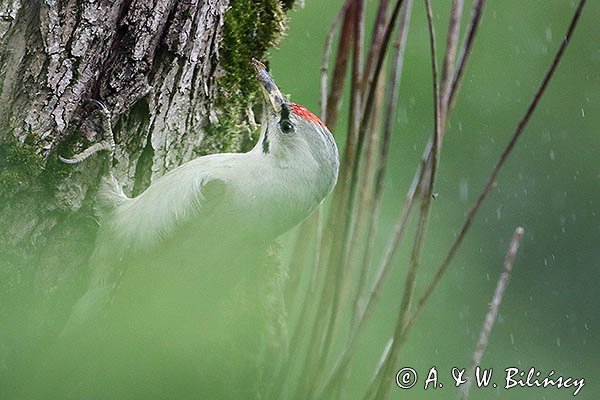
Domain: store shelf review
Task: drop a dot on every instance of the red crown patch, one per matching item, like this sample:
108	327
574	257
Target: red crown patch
303	112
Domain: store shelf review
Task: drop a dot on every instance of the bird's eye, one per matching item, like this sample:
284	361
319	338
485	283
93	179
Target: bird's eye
286	126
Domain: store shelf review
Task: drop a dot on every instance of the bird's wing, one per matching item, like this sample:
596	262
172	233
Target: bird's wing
189	191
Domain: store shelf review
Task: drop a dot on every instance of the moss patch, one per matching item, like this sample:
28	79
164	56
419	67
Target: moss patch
251	27
19	166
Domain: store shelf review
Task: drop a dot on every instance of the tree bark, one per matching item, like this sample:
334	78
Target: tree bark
175	76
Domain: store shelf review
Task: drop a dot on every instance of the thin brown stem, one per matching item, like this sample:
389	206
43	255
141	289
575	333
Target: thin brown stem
490	318
330	99
466	50
376	41
450	57
492	313
437	131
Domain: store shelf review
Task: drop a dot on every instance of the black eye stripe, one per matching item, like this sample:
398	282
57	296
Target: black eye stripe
285	112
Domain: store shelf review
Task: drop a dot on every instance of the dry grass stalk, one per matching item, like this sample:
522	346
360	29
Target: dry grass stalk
492	313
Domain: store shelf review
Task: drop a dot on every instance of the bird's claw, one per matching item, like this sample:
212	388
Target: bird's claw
107	144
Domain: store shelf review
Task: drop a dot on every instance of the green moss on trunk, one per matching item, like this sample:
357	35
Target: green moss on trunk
251	27
19	166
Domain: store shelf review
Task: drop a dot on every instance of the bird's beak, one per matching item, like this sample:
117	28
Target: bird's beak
273	97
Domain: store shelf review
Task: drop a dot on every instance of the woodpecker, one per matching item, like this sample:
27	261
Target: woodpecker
256	195
185	257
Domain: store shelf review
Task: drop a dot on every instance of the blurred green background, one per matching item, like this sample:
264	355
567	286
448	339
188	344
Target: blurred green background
550	316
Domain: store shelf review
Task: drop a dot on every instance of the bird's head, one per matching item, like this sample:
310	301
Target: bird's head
292	134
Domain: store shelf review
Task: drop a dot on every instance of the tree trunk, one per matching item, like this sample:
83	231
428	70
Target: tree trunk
176	78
